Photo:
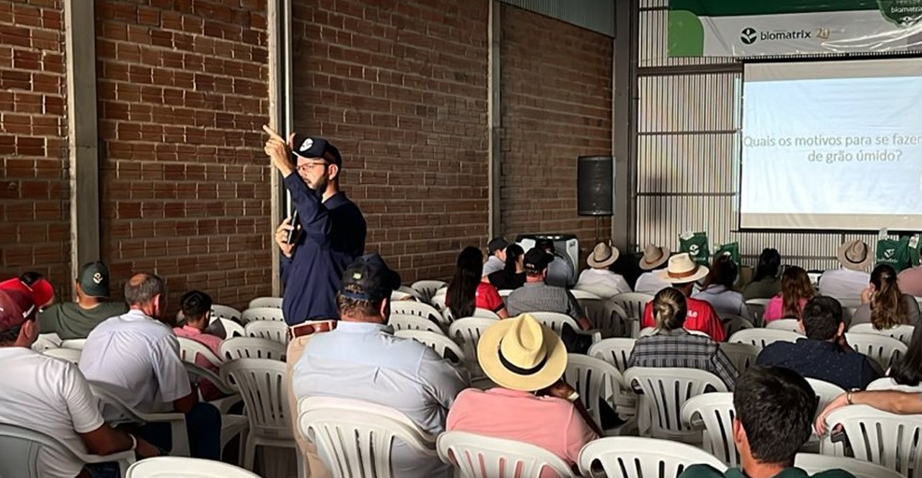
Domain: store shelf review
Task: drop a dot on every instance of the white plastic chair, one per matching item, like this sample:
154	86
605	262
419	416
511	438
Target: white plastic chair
885	350
825	392
757	308
713	413
608	318
742	355
615	351
505	293
231	329
438	301
466	332
761	338
418	309
263	385
734	323
76	344
633	303
596	379
355	438
903	333
224	312
399	295
792	325
438	342
69	355
46	341
178	467
876	436
555	321
814	464
115	411
265	329
427	288
231	425
887	383
648	331
413	322
274	302
479	456
634	457
583	294
189	350
664	392
20	449
252	347
485	314
262	313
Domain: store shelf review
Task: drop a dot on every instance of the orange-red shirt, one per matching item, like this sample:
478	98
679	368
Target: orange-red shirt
701	316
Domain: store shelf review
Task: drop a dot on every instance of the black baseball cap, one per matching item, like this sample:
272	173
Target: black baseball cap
312	147
370	279
496	244
537	260
94	279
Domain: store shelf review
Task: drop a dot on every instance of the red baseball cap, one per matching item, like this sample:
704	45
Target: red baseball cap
41	290
16	307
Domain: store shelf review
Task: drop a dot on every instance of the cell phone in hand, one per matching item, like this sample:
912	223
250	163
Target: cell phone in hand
295	230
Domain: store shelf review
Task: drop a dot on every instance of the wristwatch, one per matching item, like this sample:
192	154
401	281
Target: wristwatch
848	395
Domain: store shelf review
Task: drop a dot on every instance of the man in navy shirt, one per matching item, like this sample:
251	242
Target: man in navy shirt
329	231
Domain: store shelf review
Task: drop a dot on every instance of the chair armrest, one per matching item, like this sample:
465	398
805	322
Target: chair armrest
214	378
178	430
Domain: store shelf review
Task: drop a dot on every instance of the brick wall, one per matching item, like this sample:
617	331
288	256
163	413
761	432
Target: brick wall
34	206
556	95
183	94
401	88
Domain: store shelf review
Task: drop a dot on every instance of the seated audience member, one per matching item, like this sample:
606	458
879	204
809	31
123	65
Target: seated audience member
774	417
673	346
718	289
910	281
39	287
765	284
75	320
512	275
51	396
890	401
531	403
652	261
361	359
598	279
796	291
561	271
497	260
467	291
908	368
196	309
847	282
682	273
135	356
883	304
823	354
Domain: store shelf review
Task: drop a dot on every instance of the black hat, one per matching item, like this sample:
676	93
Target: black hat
370	279
537	260
497	244
312	147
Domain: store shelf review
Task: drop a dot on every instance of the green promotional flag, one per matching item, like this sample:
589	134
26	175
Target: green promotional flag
696	245
732	249
894	252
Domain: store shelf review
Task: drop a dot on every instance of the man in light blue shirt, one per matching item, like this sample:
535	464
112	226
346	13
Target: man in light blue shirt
362	360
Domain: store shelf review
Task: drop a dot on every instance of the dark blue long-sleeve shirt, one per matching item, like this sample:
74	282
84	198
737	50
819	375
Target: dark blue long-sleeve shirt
333	236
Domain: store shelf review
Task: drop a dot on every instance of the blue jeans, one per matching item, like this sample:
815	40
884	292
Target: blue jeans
203	422
103	470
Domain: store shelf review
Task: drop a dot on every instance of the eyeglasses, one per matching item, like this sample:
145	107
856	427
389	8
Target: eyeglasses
307	167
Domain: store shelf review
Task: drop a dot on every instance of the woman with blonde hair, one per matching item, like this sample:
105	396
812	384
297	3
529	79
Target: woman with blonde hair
796	291
883	304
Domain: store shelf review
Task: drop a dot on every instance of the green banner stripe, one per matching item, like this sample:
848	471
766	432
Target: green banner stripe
727	8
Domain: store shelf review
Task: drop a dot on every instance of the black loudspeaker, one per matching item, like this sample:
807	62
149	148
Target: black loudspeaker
594	191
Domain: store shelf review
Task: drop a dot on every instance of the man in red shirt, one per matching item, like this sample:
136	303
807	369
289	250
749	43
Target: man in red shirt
682	273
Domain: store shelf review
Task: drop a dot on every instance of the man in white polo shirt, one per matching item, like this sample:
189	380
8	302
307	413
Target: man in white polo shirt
136	357
847	282
51	396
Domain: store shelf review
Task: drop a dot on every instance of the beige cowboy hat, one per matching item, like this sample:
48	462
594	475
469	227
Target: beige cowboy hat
855	255
603	256
653	257
522	354
682	270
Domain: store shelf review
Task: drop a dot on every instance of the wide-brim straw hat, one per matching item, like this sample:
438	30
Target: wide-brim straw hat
653	257
522	354
682	270
603	256
855	255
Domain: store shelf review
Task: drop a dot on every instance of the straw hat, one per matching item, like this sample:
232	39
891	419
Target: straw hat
653	257
522	354
855	255
682	270
603	256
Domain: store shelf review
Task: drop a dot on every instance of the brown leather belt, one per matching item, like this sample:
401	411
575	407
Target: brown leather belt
311	327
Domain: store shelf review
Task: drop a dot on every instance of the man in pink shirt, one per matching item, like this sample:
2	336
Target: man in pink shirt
532	404
196	309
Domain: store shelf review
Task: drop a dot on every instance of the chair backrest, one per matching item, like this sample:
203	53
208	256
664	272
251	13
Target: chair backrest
734	323
467	332
399	295
555	321
444	346
505	292
605	316
714	411
355	438
224	312
69	355
635	457
231	329
76	344
792	325
814	464
274	302
583	294
479	456
438	301
181	467
825	392
761	338
633	303
413	322
903	333
595	379
485	314
46	341
615	351
742	355
262	313
418	309
264	388
251	347
21	448
427	288
648	331
885	350
757	308
265	329
887	383
665	391
190	349
887	439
